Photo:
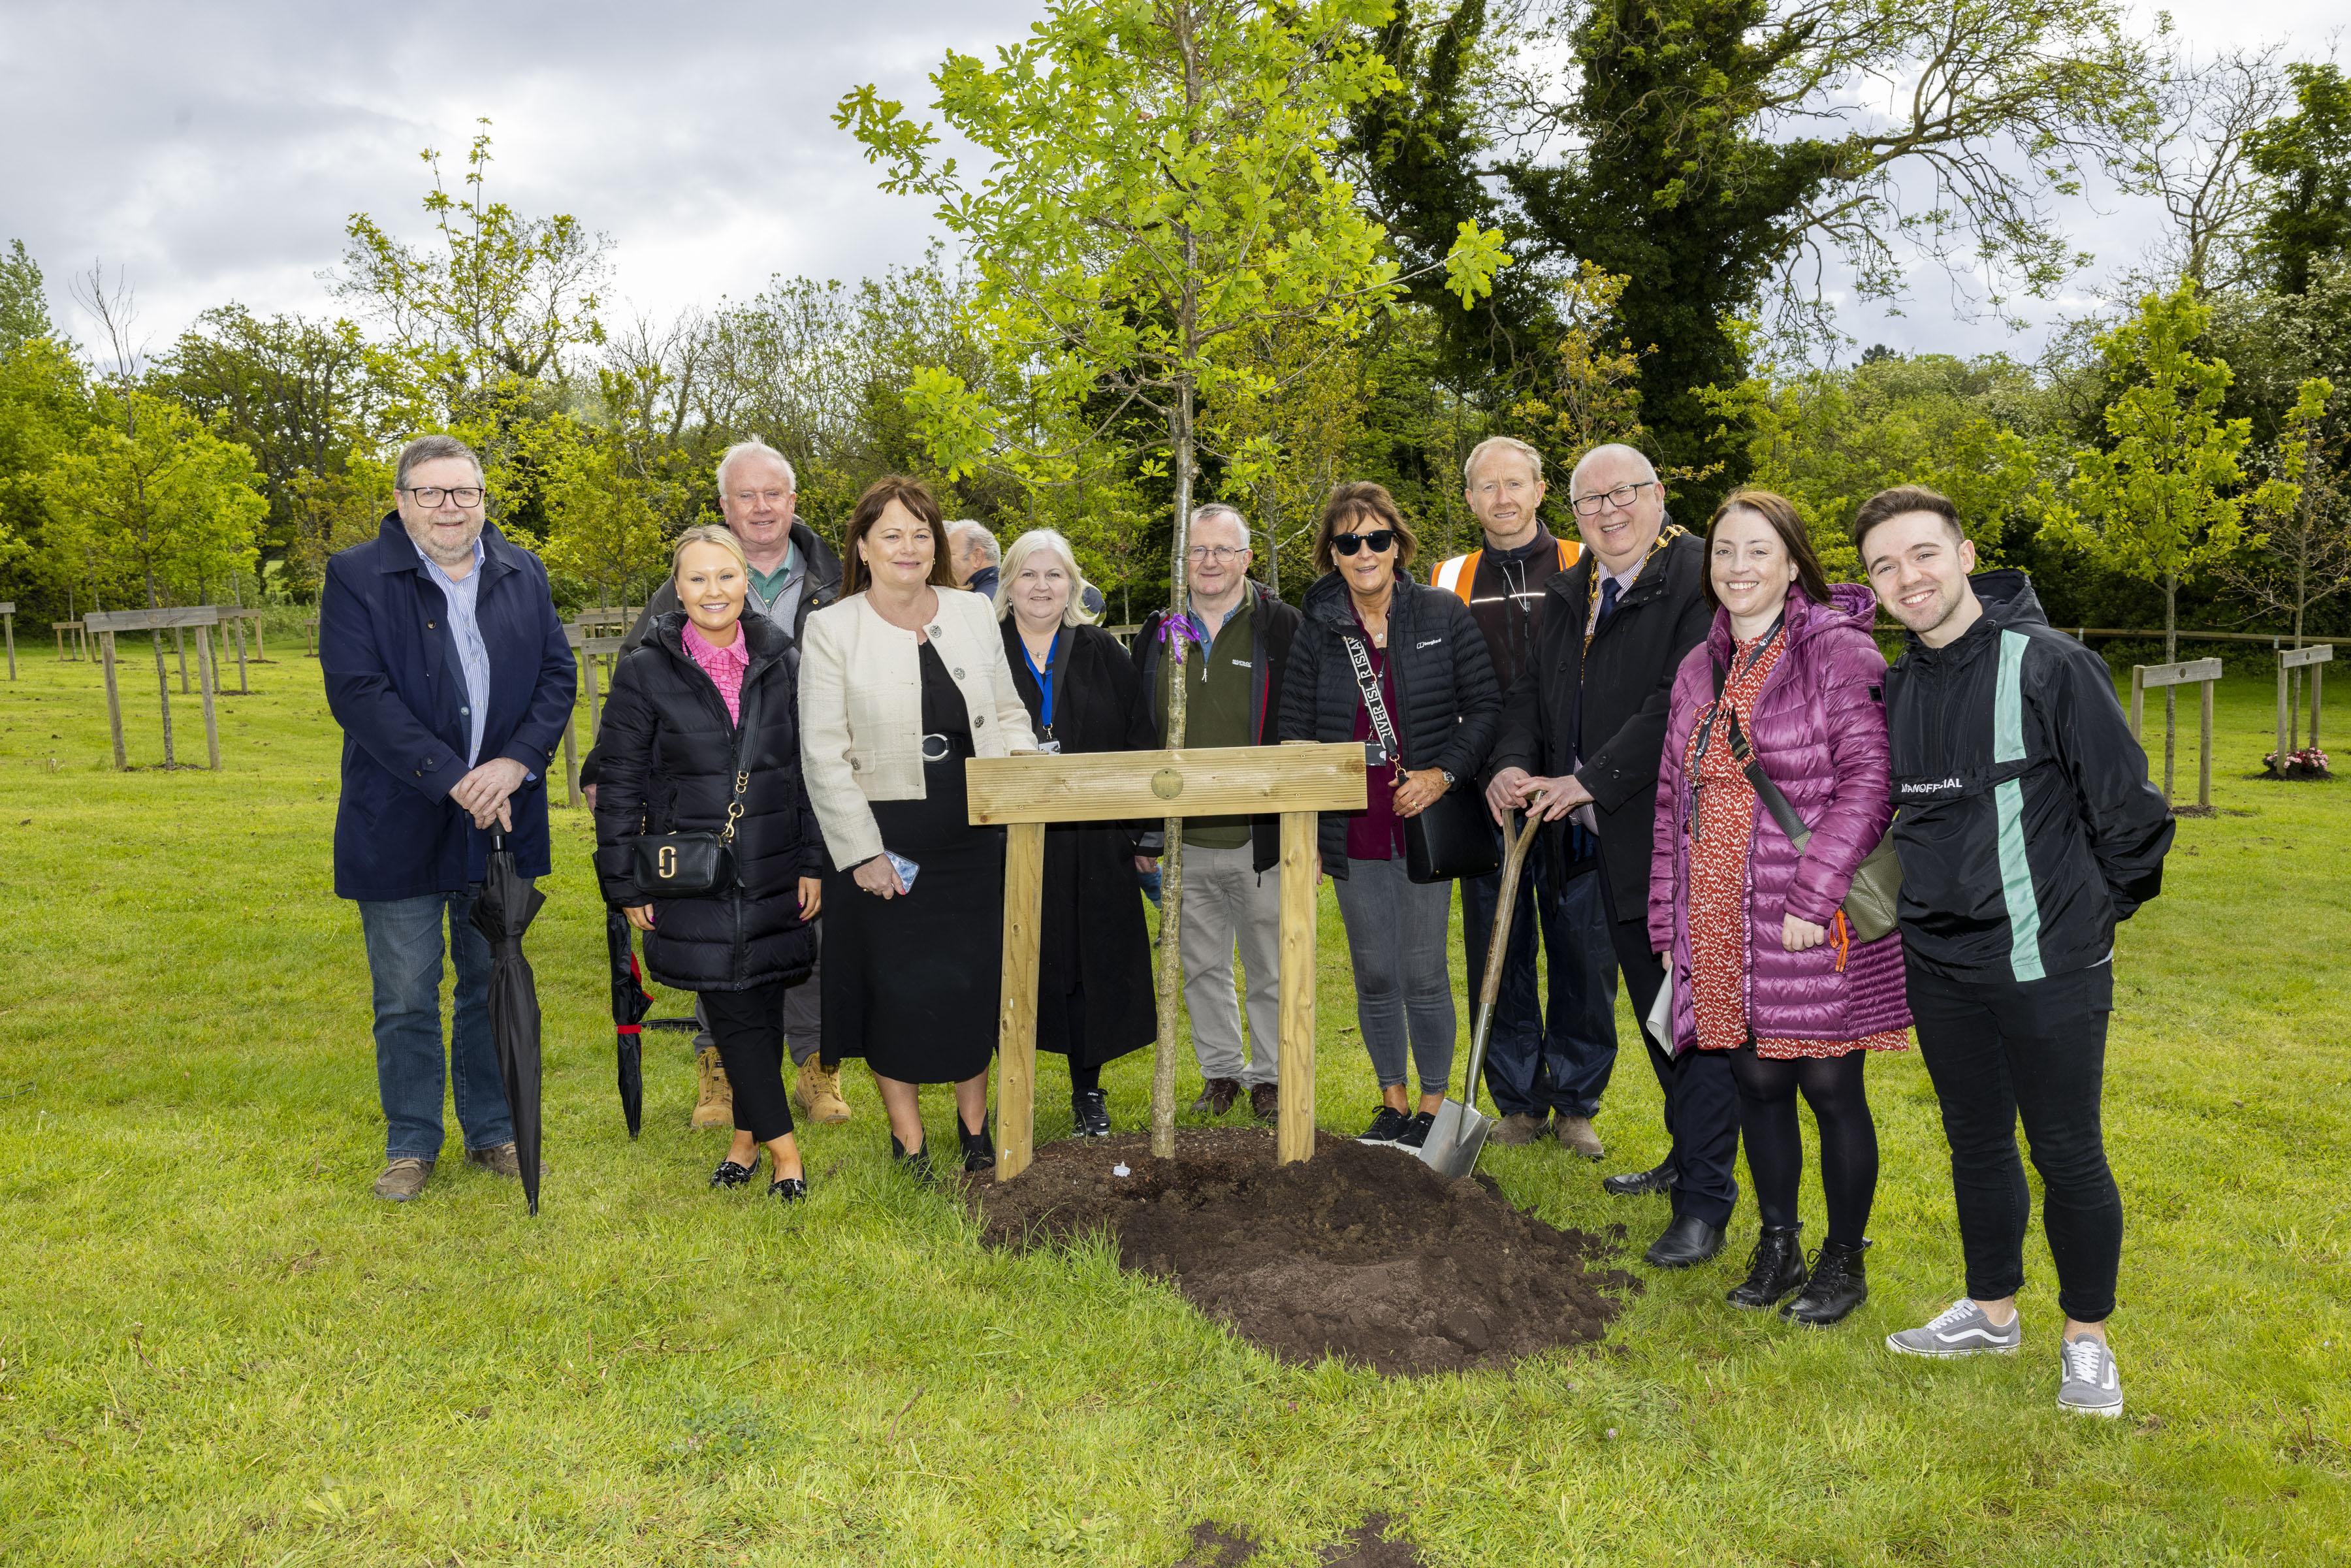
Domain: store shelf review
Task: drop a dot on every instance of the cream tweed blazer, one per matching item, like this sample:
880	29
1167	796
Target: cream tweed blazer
861	708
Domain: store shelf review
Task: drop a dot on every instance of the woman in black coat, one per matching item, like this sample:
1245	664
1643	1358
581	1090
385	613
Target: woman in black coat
1094	996
1427	659
674	761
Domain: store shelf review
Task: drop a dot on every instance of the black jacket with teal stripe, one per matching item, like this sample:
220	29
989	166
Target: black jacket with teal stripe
2025	820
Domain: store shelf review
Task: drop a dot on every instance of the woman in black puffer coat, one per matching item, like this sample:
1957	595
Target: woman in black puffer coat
671	747
1437	682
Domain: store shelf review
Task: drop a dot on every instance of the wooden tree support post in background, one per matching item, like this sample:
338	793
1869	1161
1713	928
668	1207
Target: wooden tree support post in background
2289	705
2191	671
104	624
8	623
1028	792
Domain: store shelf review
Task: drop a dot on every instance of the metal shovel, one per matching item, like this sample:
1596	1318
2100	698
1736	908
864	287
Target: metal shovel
1459	1133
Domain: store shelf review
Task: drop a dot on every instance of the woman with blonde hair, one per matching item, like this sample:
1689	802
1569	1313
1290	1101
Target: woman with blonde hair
700	735
1094	996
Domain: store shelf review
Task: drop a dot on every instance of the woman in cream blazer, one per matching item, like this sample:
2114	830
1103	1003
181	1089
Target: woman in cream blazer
901	681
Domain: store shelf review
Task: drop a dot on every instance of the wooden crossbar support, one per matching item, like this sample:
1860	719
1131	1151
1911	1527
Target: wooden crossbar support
1026	792
151	619
114	701
2289	703
80	649
104	623
2188	671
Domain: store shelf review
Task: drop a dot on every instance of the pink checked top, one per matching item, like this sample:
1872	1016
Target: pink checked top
725	666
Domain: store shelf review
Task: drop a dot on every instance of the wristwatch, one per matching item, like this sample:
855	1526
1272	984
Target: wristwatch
1446	774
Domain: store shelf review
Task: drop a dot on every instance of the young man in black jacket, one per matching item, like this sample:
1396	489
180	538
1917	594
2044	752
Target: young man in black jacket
2027	830
1581	732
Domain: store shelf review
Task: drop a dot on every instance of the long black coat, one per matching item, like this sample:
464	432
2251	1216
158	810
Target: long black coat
670	760
1625	684
1094	936
1446	705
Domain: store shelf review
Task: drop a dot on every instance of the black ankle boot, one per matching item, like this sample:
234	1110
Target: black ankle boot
1839	1283
978	1149
1775	1268
916	1165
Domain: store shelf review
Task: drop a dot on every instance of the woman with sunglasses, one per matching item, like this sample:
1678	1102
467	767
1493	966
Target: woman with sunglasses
901	680
1371	633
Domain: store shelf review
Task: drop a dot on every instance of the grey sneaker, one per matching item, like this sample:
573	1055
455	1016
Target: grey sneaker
403	1178
1961	1330
2089	1384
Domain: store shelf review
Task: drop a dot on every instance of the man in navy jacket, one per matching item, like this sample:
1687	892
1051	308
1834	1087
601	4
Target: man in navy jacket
447	666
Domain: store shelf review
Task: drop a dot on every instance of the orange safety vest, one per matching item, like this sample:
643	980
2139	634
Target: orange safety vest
1458	574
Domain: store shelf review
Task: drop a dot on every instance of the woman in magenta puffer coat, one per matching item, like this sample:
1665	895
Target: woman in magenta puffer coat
1763	963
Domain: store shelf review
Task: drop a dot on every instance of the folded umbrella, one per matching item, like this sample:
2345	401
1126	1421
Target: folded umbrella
508	904
630	1002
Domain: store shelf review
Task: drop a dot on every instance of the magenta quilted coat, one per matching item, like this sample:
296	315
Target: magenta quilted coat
1819	730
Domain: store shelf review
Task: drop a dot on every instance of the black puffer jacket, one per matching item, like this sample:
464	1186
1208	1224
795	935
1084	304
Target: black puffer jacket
669	754
1446	705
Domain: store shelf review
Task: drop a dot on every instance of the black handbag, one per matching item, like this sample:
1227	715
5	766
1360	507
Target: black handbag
1451	838
699	864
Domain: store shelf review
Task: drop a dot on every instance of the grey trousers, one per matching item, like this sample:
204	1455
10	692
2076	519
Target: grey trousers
1227	904
1395	936
803	1010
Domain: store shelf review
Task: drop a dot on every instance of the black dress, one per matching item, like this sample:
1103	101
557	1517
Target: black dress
1094	996
912	984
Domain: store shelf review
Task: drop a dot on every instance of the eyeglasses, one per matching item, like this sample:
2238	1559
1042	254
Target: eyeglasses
1379	541
1220	554
462	496
753	497
1620	497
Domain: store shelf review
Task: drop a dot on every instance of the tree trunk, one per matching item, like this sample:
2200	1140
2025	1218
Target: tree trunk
162	680
1171	863
2170	694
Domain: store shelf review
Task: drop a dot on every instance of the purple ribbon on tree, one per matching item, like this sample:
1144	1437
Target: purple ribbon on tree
1175	630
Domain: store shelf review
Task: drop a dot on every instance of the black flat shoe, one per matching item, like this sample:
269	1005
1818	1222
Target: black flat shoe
1775	1268
788	1189
1092	1109
729	1174
1640	1184
916	1165
1838	1285
1686	1243
978	1150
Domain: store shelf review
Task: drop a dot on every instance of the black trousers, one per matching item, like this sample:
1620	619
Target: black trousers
749	1030
1834	1088
1998	1050
1701	1095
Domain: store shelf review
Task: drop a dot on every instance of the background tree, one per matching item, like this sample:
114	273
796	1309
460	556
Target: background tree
2303	556
2189	155
1161	184
2305	157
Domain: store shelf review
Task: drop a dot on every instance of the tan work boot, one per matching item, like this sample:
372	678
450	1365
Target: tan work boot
715	1105
403	1178
501	1159
1575	1135
818	1092
1518	1127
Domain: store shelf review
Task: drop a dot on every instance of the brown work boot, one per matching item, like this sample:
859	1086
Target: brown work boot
403	1178
1575	1135
715	1108
1216	1096
501	1159
816	1089
1516	1128
1265	1101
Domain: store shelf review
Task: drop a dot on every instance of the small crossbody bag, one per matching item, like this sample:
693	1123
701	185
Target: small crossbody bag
699	864
1453	838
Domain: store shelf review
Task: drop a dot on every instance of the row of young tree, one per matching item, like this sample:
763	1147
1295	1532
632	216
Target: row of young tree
1243	249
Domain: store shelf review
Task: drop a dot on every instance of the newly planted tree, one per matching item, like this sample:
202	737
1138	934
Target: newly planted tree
1160	189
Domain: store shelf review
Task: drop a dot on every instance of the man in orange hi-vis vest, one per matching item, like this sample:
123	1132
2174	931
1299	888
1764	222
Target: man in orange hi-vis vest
1545	1066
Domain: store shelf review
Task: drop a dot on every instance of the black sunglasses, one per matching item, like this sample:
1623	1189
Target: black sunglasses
1381	541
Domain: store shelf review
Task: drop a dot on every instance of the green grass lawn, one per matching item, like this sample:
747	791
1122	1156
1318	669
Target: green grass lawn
216	1347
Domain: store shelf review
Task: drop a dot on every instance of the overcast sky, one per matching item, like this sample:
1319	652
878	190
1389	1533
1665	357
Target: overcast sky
215	152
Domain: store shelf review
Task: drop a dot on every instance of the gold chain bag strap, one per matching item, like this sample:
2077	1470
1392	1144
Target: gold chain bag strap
702	864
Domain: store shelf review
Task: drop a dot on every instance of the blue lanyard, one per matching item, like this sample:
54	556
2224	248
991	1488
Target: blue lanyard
1044	680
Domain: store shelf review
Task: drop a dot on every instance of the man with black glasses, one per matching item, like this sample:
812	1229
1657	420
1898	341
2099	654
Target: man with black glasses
1544	1066
1237	651
447	666
1581	732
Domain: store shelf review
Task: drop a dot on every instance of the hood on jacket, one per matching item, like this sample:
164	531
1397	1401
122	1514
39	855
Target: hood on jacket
1850	606
2008	600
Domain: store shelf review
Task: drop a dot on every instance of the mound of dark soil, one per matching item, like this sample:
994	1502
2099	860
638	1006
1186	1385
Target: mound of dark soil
1365	1546
1362	1253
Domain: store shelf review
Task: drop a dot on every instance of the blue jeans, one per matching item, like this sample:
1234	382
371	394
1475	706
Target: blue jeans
403	949
1536	1063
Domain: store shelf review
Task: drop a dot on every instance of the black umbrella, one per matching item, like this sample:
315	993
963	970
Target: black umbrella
630	1002
503	913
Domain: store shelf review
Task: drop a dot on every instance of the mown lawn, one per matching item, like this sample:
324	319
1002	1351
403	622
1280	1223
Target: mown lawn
216	1347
